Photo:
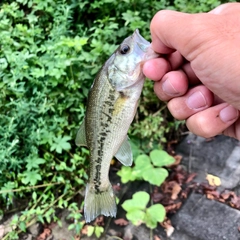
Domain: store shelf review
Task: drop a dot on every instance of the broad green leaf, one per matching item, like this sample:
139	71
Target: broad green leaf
34	163
61	143
142	163
71	226
31	177
34	196
78	227
59	222
126	174
98	231
139	201
161	158
22	226
156	213
155	176
136	216
90	231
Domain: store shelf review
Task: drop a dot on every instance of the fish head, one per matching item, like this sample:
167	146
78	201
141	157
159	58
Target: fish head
125	65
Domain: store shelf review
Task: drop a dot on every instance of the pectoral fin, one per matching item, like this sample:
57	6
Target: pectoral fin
124	153
81	135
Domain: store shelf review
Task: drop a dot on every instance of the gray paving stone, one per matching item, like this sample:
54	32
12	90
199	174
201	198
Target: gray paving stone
230	175
203	219
219	156
200	218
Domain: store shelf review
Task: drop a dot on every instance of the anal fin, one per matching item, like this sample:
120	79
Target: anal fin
124	153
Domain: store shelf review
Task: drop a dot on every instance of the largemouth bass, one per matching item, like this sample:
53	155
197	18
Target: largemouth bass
111	107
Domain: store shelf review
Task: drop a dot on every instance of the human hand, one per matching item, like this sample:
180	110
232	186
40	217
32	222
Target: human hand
199	74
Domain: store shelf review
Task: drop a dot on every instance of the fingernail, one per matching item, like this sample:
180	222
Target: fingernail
196	101
168	88
228	114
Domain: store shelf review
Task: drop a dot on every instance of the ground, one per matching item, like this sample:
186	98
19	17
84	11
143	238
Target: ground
197	209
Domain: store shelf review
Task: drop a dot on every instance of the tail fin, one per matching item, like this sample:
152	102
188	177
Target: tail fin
102	203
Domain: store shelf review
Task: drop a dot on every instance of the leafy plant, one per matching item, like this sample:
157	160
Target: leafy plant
148	168
138	213
98	230
76	215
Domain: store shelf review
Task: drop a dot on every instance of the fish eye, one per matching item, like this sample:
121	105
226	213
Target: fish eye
124	49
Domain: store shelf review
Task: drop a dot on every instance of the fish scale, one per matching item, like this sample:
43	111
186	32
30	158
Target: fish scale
111	107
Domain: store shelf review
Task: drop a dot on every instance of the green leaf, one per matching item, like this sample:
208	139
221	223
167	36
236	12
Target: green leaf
61	143
126	174
34	163
142	163
59	222
71	226
154	214
155	176
31	177
98	231
139	201
34	196
161	158
90	231
136	216
22	226
78	227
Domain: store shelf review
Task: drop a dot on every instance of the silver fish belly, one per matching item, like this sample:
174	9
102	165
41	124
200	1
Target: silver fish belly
112	103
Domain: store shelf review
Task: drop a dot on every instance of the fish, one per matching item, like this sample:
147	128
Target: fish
111	107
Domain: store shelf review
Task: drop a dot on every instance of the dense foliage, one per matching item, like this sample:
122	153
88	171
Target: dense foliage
50	52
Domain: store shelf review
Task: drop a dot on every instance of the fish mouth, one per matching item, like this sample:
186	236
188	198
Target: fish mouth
142	43
144	46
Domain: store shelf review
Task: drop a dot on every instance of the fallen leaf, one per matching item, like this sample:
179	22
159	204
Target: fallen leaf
184	194
178	160
156	237
85	230
169	231
175	191
99	221
190	177
214	194
173	207
167	187
46	233
121	222
210	196
235	201
179	177
213	180
157	197
206	187
167	225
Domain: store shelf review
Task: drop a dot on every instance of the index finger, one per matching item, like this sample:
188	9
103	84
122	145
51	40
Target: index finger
183	32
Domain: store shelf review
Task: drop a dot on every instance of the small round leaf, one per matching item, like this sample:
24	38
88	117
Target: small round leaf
161	158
